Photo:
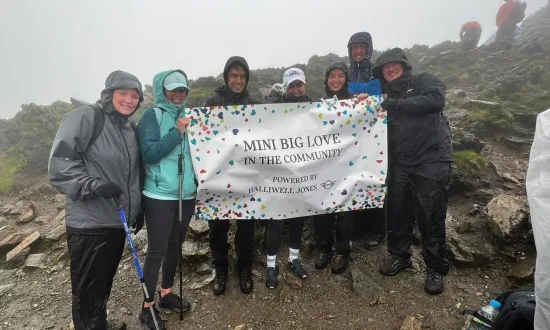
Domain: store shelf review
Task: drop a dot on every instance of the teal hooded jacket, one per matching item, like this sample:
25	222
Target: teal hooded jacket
160	144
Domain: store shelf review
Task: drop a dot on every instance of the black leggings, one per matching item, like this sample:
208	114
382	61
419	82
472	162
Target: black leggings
275	234
163	227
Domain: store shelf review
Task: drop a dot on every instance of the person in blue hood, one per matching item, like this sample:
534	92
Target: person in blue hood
162	138
360	50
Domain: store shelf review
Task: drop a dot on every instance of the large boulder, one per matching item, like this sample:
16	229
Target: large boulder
468	250
508	217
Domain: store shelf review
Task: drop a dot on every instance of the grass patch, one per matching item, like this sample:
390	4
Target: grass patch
469	160
485	121
9	167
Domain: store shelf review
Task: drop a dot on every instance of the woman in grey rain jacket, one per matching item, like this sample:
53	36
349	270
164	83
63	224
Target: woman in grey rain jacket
95	162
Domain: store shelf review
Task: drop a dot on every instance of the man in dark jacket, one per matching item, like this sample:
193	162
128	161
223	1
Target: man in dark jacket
360	50
420	157
236	75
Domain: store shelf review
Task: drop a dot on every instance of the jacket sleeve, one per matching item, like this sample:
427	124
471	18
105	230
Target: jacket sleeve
153	148
209	101
462	30
431	98
66	169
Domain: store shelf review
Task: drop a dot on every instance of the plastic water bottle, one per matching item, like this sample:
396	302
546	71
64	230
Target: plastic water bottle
490	312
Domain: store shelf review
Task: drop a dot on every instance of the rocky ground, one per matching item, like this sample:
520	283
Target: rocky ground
488	243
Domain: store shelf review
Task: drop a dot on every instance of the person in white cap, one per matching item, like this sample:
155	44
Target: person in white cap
292	90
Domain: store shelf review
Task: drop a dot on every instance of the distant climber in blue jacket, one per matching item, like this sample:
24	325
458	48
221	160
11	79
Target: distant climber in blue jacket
360	52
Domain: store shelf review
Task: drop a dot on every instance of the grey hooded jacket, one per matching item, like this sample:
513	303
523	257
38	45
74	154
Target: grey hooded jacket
77	169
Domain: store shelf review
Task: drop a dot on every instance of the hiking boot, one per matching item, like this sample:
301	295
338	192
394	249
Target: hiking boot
323	259
340	264
245	280
434	282
173	302
374	241
271	280
394	265
297	268
146	318
220	281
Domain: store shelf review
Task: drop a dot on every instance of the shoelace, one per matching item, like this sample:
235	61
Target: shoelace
337	258
432	275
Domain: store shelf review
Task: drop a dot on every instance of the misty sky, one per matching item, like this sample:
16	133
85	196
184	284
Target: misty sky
55	49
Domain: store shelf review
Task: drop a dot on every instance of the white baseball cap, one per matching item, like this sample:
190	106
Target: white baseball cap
292	75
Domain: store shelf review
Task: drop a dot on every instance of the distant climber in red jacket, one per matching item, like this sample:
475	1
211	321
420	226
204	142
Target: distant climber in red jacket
511	13
470	35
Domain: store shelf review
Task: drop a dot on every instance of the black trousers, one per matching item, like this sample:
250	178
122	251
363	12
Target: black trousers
95	255
323	232
164	239
244	238
506	31
471	38
419	193
275	234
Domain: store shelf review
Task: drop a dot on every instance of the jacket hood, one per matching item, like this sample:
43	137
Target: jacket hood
361	37
236	60
115	81
160	99
392	55
343	92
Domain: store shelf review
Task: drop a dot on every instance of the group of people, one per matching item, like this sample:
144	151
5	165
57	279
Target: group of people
509	15
99	170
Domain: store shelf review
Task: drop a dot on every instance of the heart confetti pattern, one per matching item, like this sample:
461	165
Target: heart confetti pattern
352	181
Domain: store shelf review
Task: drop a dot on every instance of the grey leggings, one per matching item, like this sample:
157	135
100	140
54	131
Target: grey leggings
163	227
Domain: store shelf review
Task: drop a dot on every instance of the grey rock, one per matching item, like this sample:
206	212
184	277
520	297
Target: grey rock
6	275
43	219
5	288
195	249
463	140
60	216
479	104
466	251
11	241
508	217
509	177
203	281
363	284
523	271
27	216
57	233
39	260
198	227
204	269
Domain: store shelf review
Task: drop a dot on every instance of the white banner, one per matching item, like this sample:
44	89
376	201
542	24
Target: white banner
279	161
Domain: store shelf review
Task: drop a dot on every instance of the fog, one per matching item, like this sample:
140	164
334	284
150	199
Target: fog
56	49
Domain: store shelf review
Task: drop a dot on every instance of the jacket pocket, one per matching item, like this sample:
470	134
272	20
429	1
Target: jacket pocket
154	172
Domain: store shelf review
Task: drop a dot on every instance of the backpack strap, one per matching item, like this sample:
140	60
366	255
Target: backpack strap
99	122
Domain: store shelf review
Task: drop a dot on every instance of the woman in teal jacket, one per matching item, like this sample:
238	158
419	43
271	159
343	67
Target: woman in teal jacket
162	139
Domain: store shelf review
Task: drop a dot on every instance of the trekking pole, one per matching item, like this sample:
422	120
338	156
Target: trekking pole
180	211
134	254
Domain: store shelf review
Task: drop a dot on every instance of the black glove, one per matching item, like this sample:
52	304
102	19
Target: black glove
108	191
140	220
390	104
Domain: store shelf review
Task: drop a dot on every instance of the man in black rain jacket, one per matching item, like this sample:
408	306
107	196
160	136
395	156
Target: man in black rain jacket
420	157
236	75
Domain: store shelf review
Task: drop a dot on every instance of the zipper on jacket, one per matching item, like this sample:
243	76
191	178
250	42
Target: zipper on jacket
129	171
